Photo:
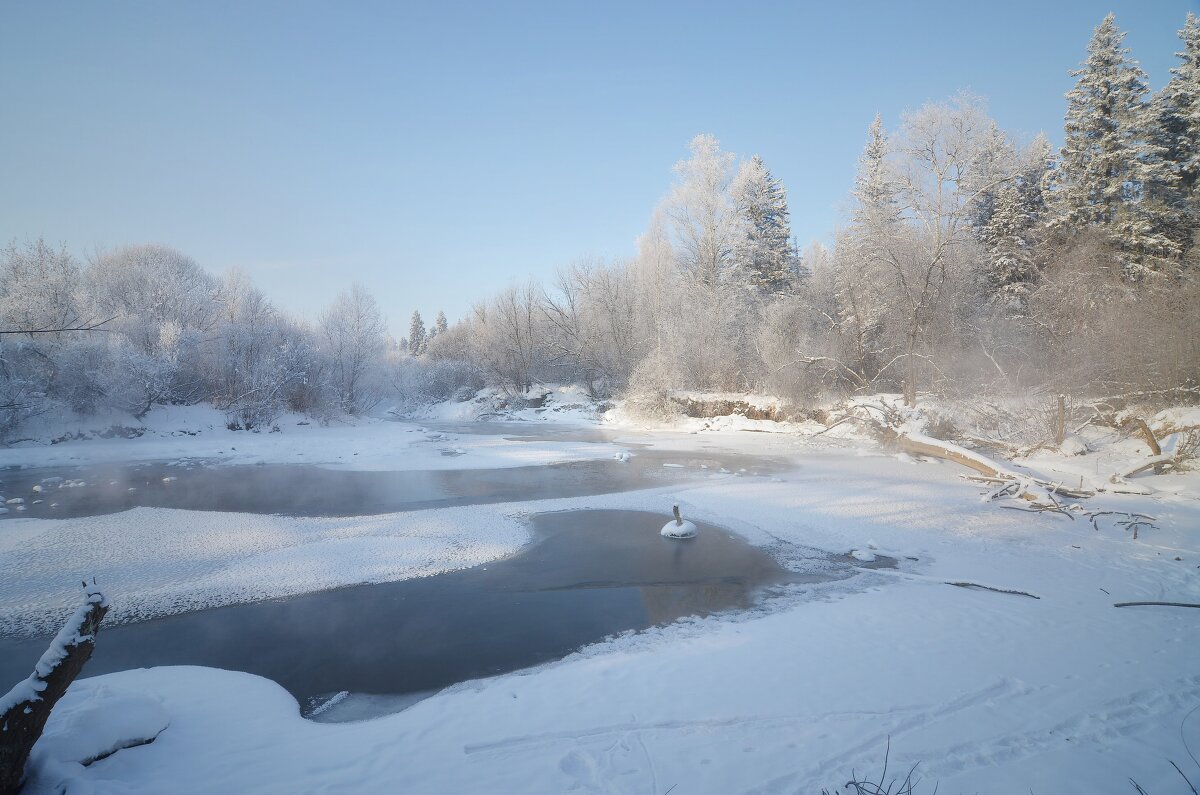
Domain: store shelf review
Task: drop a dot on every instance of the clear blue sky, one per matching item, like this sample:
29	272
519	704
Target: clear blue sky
437	151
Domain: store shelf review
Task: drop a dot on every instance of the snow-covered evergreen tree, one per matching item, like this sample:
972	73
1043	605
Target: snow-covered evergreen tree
1008	226
763	253
874	189
1176	133
860	280
1108	161
416	334
440	325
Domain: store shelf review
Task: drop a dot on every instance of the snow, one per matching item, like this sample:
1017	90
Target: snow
989	692
1073	445
164	561
30	688
92	721
560	404
683	529
170	433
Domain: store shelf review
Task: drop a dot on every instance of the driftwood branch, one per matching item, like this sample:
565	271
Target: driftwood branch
26	707
975	585
1159	604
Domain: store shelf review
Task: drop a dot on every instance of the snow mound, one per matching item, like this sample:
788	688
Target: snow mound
1073	445
673	529
94	720
863	555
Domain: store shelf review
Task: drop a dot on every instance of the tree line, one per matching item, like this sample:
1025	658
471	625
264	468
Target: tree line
972	263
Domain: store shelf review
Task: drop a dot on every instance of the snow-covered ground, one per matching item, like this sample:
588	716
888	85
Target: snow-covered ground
990	692
188	432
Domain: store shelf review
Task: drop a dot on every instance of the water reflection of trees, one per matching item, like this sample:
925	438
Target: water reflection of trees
665	603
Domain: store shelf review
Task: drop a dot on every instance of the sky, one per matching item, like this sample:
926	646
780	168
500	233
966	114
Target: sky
437	152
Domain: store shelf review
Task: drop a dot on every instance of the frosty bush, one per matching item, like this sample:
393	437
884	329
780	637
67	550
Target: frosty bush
422	381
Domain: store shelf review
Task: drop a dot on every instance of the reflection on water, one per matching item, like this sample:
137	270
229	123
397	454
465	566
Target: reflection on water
590	574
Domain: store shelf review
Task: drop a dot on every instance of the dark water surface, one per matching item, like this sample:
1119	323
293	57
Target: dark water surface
588	574
307	490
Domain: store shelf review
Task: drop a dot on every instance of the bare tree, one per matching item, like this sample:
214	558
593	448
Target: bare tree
353	332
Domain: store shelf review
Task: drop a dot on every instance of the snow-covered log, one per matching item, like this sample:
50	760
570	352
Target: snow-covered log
25	709
903	431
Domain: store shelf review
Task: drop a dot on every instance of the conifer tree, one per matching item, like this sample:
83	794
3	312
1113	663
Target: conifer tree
874	191
1008	226
763	251
416	334
1175	130
1108	163
440	325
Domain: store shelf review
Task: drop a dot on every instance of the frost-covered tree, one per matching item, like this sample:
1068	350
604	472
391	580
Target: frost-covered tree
1107	160
353	334
40	290
1008	226
440	324
416	334
875	194
703	220
150	287
507	337
591	331
262	363
1176	132
858	276
763	254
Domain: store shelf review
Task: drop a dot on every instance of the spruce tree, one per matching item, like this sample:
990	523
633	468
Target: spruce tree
416	334
1175	113
439	324
1008	226
1108	163
873	189
763	252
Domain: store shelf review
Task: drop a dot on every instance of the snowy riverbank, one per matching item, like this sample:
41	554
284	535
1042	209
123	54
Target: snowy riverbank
171	433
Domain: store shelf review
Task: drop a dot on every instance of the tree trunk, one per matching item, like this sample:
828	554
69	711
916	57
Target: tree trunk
30	702
1060	422
1148	435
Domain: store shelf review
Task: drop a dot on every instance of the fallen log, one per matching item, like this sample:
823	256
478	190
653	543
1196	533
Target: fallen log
25	709
1159	604
935	448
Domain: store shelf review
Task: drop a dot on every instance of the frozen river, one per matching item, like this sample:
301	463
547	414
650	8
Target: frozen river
586	574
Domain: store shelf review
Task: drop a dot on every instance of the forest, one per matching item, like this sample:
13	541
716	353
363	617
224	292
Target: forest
971	263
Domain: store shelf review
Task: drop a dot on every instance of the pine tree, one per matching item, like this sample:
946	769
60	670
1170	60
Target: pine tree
416	335
763	252
1107	160
439	323
1175	131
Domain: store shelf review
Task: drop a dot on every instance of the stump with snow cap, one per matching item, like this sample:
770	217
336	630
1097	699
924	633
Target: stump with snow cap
678	528
25	709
